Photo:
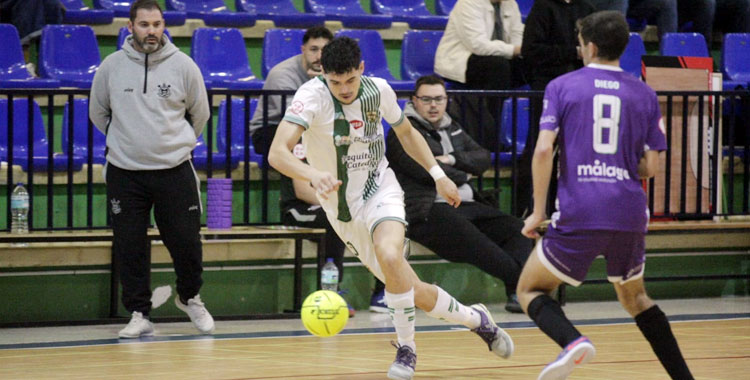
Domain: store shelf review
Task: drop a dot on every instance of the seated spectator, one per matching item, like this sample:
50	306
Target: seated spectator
475	232
663	13
480	49
480	44
729	16
289	74
29	17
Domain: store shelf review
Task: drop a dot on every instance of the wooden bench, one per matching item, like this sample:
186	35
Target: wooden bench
94	247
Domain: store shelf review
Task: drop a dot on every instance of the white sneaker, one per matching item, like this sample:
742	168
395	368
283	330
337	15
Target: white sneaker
31	68
198	314
137	327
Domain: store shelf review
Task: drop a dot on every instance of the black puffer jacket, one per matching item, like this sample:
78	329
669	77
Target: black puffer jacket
418	185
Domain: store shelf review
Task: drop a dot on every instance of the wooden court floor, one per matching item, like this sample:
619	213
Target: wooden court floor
715	349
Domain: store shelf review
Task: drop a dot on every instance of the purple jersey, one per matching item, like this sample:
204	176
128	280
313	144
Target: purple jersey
605	120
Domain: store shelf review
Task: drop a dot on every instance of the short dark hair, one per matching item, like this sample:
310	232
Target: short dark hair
341	56
143	4
608	30
427	80
317	32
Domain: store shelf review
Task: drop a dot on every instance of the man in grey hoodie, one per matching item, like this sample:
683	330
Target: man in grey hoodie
150	100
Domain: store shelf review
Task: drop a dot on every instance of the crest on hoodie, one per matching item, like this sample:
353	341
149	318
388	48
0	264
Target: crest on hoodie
164	90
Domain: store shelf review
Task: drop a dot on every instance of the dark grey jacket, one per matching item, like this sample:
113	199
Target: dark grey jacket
418	185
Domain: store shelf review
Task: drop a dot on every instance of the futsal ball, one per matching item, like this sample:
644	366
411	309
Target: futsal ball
324	313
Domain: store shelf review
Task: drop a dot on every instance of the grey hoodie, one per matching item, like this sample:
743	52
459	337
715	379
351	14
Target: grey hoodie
142	103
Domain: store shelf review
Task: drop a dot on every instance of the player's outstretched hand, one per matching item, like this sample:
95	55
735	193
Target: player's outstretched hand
530	225
448	190
324	183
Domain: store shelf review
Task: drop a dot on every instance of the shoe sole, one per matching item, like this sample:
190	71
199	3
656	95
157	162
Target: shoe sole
378	309
184	309
562	368
503	335
400	373
136	336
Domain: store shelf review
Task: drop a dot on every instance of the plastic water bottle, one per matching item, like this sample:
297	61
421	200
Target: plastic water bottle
329	276
19	208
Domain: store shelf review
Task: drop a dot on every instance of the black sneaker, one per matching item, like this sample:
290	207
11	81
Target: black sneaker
403	367
512	306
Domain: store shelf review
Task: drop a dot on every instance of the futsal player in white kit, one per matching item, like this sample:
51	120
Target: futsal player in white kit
338	115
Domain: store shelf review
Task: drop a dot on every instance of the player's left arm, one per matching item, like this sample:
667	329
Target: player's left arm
541	172
416	147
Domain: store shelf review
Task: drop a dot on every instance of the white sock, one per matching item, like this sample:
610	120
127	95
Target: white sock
447	308
402	311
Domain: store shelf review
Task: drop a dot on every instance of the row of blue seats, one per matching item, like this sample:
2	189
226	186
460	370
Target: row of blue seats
221	55
40	146
281	12
237	145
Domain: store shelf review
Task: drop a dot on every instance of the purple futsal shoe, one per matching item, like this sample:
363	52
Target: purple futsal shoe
577	352
498	341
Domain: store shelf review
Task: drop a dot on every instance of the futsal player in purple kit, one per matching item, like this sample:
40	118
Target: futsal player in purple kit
607	126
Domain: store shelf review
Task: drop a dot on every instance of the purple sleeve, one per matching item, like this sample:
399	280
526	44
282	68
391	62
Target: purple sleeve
655	139
550	116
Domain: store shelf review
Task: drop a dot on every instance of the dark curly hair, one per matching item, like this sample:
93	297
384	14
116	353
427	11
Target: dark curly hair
341	56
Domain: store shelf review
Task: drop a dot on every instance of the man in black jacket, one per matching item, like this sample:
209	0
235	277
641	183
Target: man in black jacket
475	232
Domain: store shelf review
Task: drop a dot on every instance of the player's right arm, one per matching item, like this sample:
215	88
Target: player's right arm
541	172
649	164
281	158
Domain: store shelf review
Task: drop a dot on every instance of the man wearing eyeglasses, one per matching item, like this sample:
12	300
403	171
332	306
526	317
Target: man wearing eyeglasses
475	232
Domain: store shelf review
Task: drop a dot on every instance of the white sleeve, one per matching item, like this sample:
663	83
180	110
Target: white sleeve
304	107
389	108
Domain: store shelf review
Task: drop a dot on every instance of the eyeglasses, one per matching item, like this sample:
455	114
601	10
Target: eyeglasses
426	100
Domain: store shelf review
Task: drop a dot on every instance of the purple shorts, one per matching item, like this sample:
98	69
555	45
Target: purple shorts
568	255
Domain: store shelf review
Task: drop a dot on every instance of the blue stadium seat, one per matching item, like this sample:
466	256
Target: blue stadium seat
21	138
631	57
418	53
386	126
525	7
78	13
506	132
220	53
684	44
218	159
413	12
122	9
278	45
238	130
70	54
281	12
735	60
124	32
13	73
80	133
212	12
373	53
349	12
444	7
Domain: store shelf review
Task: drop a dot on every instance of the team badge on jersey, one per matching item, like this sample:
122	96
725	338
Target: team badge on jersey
165	90
372	116
297	107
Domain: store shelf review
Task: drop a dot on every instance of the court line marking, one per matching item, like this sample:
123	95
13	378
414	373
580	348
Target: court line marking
358	331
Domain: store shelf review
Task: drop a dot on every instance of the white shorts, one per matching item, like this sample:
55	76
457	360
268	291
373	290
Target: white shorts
386	204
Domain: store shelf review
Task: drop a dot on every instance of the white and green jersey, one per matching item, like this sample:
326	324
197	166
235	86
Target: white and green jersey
346	140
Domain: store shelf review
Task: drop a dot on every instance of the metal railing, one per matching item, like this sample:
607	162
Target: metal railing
671	196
